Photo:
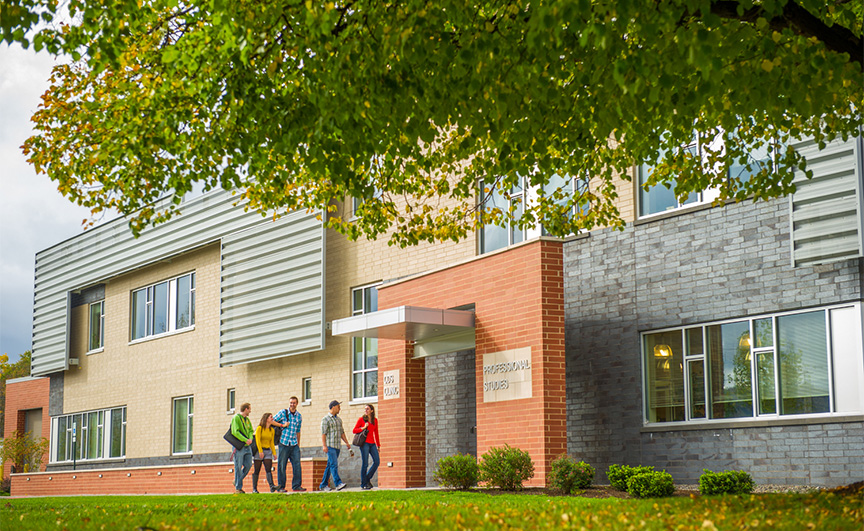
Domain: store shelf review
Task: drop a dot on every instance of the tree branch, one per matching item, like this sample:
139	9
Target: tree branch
836	38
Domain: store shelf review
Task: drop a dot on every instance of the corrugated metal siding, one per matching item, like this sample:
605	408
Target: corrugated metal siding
272	301
110	250
826	214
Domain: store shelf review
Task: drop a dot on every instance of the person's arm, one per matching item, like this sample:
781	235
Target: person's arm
361	425
348	444
237	428
324	434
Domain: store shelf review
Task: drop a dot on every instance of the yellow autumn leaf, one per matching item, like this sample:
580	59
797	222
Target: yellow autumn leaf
767	65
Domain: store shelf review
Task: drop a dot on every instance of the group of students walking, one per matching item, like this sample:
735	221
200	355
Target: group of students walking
260	447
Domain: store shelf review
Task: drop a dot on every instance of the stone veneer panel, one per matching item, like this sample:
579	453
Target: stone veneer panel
700	266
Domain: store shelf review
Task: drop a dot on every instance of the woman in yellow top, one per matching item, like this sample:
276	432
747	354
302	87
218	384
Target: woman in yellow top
264	440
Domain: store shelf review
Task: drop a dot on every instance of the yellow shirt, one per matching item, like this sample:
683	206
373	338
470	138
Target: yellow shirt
264	438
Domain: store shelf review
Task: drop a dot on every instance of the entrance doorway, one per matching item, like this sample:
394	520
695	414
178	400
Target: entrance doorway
451	408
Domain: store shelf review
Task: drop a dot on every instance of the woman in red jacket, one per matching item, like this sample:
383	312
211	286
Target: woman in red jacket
369	423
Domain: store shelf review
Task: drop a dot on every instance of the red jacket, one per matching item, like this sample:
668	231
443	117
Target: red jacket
372	435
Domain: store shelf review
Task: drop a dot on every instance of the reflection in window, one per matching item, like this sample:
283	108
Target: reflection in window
665	374
152	313
364	351
784	367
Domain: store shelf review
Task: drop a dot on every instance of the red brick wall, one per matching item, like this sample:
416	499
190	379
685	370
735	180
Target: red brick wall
518	296
211	478
20	397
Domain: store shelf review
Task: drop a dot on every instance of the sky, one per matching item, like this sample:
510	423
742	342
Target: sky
33	214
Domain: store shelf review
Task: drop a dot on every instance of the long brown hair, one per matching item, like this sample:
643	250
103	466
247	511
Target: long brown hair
370	418
263	422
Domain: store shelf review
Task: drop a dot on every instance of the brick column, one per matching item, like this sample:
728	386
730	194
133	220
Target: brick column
23	395
518	298
402	421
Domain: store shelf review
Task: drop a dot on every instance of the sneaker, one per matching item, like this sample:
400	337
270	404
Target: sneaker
299	489
255	491
239	491
282	491
341	486
326	488
366	487
273	489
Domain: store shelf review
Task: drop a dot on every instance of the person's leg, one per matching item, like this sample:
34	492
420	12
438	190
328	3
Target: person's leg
296	471
376	460
255	473
335	472
364	461
247	463
281	466
238	463
327	470
268	470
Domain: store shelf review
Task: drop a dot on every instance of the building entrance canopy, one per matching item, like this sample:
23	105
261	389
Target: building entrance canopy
432	330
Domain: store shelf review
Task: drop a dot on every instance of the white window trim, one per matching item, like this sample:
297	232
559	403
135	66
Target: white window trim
529	197
101	347
230	410
172	308
173	420
306	401
106	436
351	346
756	418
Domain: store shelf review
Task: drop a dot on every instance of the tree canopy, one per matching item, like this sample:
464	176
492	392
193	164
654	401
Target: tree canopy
407	105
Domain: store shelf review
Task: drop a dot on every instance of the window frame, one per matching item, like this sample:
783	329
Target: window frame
91	349
170	308
83	435
527	195
354	371
231	400
189	423
756	415
704	197
306	389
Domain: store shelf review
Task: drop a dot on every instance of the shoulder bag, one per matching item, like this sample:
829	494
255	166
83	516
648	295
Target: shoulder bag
233	441
360	438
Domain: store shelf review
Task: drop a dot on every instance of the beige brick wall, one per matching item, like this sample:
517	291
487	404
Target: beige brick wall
147	375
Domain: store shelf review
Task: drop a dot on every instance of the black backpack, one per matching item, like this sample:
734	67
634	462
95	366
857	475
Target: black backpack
277	430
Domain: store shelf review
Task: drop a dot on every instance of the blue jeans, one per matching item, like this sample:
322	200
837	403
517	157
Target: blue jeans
289	453
242	465
332	468
365	451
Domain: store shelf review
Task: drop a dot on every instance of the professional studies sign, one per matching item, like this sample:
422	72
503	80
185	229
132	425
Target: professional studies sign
507	375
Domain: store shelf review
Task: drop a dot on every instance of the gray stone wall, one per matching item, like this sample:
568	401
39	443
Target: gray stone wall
700	266
451	408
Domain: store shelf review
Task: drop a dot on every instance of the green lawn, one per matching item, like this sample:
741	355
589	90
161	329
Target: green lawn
424	510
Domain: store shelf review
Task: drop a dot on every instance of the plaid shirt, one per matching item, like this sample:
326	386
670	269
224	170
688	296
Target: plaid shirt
331	426
289	432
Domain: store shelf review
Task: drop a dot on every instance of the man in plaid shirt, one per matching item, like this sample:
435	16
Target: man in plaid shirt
331	432
289	446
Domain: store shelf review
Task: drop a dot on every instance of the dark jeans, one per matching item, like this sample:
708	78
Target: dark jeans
332	468
289	453
365	451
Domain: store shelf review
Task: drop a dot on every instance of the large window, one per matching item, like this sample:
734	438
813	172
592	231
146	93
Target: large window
769	366
88	436
560	189
163	307
97	326
364	351
181	438
658	198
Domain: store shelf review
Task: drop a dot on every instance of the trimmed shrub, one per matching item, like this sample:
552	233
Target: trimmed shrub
568	475
457	472
619	474
651	485
506	468
727	482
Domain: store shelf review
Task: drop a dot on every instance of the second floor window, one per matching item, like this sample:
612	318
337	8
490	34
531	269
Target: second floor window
163	307
364	350
97	326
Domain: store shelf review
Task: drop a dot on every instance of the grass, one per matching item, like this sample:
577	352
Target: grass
426	510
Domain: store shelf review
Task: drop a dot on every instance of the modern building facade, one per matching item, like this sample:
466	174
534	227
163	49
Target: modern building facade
700	336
